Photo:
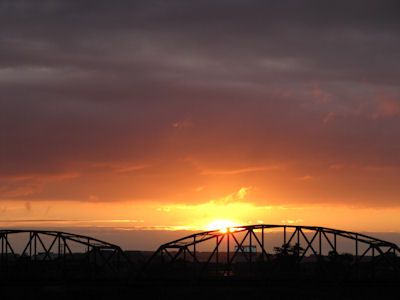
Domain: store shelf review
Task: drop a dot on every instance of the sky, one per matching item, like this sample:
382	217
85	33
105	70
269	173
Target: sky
179	115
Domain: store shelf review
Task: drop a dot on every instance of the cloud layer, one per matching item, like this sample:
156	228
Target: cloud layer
188	101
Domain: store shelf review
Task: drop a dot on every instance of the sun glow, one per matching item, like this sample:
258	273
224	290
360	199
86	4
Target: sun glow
222	225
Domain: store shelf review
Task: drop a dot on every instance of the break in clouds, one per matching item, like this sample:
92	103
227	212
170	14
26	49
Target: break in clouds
187	101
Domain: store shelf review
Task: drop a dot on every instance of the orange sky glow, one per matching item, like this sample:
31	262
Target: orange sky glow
141	116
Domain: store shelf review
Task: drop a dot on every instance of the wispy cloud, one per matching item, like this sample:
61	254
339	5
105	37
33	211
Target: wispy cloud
241	170
72	223
115	167
306	178
15	186
128	169
240	195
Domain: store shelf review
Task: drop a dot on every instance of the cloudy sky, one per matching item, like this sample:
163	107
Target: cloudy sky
174	114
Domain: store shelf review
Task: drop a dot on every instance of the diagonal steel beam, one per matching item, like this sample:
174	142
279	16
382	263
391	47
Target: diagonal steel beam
309	244
262	248
239	247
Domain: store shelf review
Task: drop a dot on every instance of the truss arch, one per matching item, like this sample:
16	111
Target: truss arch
58	251
252	244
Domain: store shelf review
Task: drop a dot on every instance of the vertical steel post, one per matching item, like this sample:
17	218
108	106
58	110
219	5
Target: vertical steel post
217	251
334	243
35	246
6	241
228	267
356	247
262	243
320	242
194	248
2	248
298	236
30	245
227	250
284	235
64	249
59	245
250	244
298	246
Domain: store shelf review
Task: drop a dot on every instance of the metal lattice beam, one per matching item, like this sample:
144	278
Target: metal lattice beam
56	249
306	239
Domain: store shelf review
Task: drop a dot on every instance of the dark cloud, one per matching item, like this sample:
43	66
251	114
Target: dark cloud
309	84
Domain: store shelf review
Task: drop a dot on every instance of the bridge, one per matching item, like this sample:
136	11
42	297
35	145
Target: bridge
57	253
245	246
254	250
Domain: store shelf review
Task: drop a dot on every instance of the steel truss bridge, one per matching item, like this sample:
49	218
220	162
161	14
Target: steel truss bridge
249	245
57	253
252	250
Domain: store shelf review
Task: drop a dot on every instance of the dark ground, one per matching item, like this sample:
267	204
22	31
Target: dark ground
216	289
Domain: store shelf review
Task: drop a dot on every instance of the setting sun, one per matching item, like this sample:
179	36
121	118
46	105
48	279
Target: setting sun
222	225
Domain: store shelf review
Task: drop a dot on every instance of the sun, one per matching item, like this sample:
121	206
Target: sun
222	225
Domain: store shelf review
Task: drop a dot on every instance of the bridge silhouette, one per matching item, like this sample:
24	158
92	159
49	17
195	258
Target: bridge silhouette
57	253
239	245
234	251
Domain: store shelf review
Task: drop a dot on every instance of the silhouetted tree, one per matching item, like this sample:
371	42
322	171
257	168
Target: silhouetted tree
288	255
288	250
282	251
